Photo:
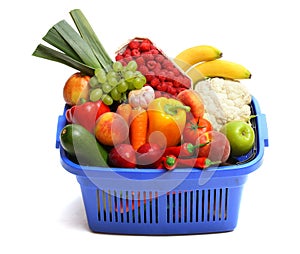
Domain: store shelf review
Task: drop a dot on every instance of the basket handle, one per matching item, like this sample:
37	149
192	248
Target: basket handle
264	129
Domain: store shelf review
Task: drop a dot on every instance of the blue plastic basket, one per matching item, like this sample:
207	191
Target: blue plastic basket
158	202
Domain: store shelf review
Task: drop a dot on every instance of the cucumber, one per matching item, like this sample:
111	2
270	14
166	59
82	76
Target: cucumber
78	142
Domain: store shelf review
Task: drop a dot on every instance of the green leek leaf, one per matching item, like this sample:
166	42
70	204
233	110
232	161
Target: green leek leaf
54	55
56	40
87	33
77	43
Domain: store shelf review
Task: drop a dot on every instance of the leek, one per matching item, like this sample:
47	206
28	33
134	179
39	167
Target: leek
88	34
54	55
56	40
77	43
82	51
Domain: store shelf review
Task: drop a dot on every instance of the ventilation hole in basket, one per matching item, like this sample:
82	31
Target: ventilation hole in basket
185	206
110	206
173	206
120	203
220	204
116	206
150	207
127	205
156	207
168	207
215	205
191	206
203	205
208	205
139	207
132	205
105	205
226	204
145	206
197	206
98	205
179	206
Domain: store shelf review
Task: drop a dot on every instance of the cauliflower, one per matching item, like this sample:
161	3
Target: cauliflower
224	100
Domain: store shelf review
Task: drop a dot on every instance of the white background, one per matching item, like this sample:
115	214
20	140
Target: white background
41	206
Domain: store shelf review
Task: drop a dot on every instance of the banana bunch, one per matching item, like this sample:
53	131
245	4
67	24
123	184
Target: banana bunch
201	62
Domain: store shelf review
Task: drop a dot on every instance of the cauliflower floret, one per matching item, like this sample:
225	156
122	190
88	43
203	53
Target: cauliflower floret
224	100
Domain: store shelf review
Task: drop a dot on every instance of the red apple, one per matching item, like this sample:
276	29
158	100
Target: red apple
148	155
122	156
217	147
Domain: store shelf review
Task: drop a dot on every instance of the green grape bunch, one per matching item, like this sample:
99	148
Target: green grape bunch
115	84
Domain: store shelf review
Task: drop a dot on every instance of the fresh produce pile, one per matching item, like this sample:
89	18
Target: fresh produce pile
144	110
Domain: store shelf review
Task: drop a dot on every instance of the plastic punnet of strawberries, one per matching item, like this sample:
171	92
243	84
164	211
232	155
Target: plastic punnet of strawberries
161	73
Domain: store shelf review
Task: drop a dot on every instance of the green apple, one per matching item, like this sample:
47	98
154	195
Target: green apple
241	136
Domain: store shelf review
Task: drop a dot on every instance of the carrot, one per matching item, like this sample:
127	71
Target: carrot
124	110
138	127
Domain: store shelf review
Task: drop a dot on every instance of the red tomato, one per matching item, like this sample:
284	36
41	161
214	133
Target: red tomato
194	128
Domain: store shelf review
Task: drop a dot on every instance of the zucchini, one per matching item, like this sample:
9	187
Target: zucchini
79	143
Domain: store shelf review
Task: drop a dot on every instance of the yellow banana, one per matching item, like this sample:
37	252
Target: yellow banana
218	68
191	56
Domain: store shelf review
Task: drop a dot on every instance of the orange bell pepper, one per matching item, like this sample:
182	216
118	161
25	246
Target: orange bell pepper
166	121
